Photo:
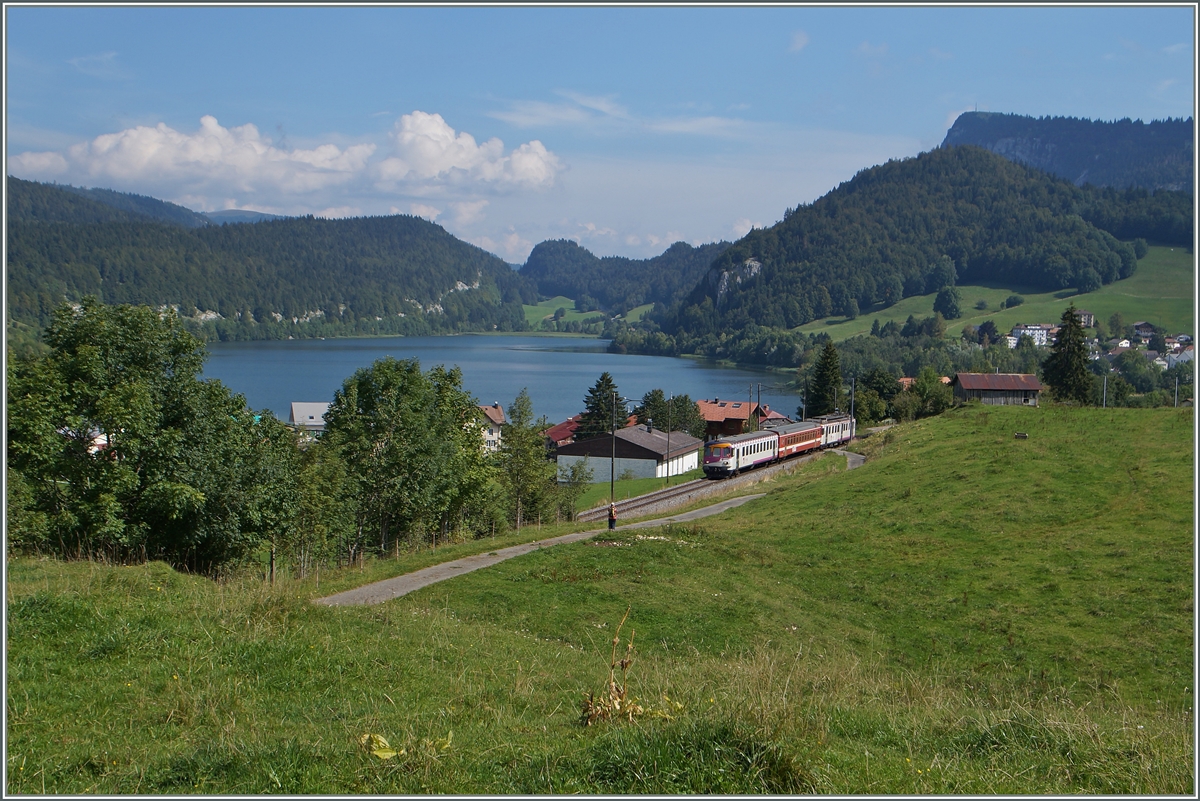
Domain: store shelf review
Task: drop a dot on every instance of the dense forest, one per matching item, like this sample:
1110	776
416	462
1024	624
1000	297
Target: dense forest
615	283
914	226
273	279
1121	154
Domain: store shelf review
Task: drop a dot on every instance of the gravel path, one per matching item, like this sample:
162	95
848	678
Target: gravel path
391	588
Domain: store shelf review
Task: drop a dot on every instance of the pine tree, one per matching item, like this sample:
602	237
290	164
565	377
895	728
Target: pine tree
826	383
1065	370
599	407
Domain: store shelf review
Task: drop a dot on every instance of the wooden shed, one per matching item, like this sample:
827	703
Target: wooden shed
998	389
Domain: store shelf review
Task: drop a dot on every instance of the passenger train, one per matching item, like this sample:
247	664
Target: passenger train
727	456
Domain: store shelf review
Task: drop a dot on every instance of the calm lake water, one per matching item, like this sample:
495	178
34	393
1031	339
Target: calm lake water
557	371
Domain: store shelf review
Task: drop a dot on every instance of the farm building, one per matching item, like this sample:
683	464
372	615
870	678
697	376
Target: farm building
726	418
998	389
641	452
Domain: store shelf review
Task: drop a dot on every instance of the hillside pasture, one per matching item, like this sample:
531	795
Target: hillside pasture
967	613
1161	291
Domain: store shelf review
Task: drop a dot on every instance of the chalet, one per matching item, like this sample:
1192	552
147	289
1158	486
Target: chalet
563	433
998	389
1143	329
640	452
724	418
494	420
308	417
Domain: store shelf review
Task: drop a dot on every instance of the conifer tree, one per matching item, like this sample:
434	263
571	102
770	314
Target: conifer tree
1066	369
599	409
826	383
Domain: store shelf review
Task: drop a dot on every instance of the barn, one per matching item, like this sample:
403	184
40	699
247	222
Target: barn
641	452
998	389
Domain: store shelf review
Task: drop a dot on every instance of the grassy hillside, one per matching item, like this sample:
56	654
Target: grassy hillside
967	613
1160	291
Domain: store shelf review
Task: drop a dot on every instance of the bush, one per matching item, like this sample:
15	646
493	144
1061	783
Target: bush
1013	300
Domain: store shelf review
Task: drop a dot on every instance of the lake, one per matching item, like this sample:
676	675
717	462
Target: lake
558	372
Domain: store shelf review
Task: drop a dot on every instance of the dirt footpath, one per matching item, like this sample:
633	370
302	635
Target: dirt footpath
391	588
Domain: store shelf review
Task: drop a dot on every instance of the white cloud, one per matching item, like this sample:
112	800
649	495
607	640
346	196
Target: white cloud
421	210
1176	48
102	65
42	165
215	157
606	104
940	55
511	246
427	149
799	41
216	166
603	113
338	212
1163	86
467	212
743	226
707	126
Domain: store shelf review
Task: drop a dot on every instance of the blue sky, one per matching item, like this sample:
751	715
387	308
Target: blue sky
625	129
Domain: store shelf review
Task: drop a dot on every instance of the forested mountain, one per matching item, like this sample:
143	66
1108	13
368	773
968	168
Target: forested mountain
239	216
891	231
1122	154
615	283
284	277
143	206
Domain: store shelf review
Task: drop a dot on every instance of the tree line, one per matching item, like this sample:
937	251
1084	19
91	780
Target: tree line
118	450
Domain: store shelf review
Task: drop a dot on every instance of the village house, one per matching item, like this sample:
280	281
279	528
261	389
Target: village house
1143	329
1185	354
563	433
1086	318
726	418
641	452
998	389
493	431
308	417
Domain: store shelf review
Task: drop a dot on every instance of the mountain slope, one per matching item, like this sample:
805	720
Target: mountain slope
1121	154
562	267
395	274
883	235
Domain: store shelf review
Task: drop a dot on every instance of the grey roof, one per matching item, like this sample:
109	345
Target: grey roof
656	440
308	414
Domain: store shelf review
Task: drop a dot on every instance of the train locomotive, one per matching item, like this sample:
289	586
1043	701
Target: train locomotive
728	456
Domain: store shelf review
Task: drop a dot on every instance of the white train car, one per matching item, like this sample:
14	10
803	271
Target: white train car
728	456
836	429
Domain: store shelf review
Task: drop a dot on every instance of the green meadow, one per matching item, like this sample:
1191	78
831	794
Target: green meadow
1161	292
967	613
545	309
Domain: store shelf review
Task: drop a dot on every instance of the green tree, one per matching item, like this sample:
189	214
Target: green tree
117	449
601	407
679	412
1116	325
935	395
528	477
572	483
1065	368
826	382
947	303
868	406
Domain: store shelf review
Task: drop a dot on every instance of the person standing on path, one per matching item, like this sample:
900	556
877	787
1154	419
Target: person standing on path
612	517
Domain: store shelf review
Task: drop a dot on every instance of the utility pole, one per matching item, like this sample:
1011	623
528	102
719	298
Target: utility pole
1176	392
852	380
670	403
612	465
1104	398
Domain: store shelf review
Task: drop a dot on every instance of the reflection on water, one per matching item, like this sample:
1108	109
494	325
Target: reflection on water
557	371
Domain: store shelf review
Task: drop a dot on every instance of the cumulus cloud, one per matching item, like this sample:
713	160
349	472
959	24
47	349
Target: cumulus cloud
238	159
743	226
511	246
421	210
339	212
799	41
426	148
468	211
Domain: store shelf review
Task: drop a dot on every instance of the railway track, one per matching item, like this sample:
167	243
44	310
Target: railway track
661	500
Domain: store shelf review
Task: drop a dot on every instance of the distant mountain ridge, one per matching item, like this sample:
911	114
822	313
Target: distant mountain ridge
616	283
285	277
1121	154
227	216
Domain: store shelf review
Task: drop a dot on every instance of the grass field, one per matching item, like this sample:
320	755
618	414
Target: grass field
966	613
1161	291
546	308
597	494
